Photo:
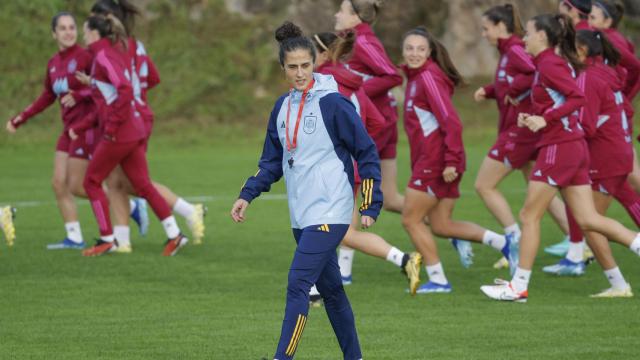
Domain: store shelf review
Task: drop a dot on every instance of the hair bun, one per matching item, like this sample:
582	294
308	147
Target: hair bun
288	30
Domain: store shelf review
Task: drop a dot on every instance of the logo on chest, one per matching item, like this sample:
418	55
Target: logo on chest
309	126
72	66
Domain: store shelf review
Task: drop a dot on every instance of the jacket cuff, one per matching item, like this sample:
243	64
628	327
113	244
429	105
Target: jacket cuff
371	213
245	195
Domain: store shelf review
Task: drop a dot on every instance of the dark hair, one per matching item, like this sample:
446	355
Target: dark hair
56	17
560	33
612	10
598	44
124	10
108	27
507	14
290	38
338	47
583	7
367	10
439	54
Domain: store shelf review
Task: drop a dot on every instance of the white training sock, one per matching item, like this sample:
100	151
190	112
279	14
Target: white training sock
615	278
108	238
314	291
183	208
513	229
635	245
436	274
395	256
345	260
171	227
576	252
520	281
73	232
132	206
122	234
494	240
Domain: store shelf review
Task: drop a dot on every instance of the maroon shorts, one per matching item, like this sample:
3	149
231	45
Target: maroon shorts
80	148
435	187
513	155
388	151
609	186
562	165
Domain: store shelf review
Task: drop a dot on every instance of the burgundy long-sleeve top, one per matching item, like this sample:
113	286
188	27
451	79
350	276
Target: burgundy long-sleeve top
60	80
145	77
513	78
112	92
431	122
380	75
350	85
556	97
628	61
601	117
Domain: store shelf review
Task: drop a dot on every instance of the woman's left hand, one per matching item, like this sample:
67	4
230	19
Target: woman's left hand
509	100
83	78
535	123
450	174
367	221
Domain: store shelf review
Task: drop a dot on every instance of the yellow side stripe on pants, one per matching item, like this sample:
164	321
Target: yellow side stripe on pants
297	329
297	338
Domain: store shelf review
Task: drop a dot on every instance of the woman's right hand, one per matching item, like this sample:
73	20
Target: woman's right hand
522	119
11	129
480	95
238	209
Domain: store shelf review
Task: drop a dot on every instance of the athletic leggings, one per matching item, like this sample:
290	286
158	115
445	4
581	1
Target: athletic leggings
315	262
131	157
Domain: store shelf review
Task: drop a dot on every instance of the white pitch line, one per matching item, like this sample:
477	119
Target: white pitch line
215	198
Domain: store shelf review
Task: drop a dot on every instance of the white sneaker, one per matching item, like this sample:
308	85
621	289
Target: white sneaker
503	291
614	293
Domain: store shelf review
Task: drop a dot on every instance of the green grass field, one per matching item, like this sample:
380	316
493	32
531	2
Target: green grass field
225	298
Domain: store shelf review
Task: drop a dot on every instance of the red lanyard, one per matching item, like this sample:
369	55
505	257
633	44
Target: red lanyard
292	145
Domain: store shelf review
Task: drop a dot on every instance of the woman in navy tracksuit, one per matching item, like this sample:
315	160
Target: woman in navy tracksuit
312	135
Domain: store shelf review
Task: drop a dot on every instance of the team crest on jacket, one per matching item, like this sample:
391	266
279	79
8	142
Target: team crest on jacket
72	66
310	124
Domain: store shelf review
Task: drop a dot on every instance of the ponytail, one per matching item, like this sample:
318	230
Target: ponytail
613	10
338	48
439	54
342	47
509	15
109	27
124	10
561	34
598	44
